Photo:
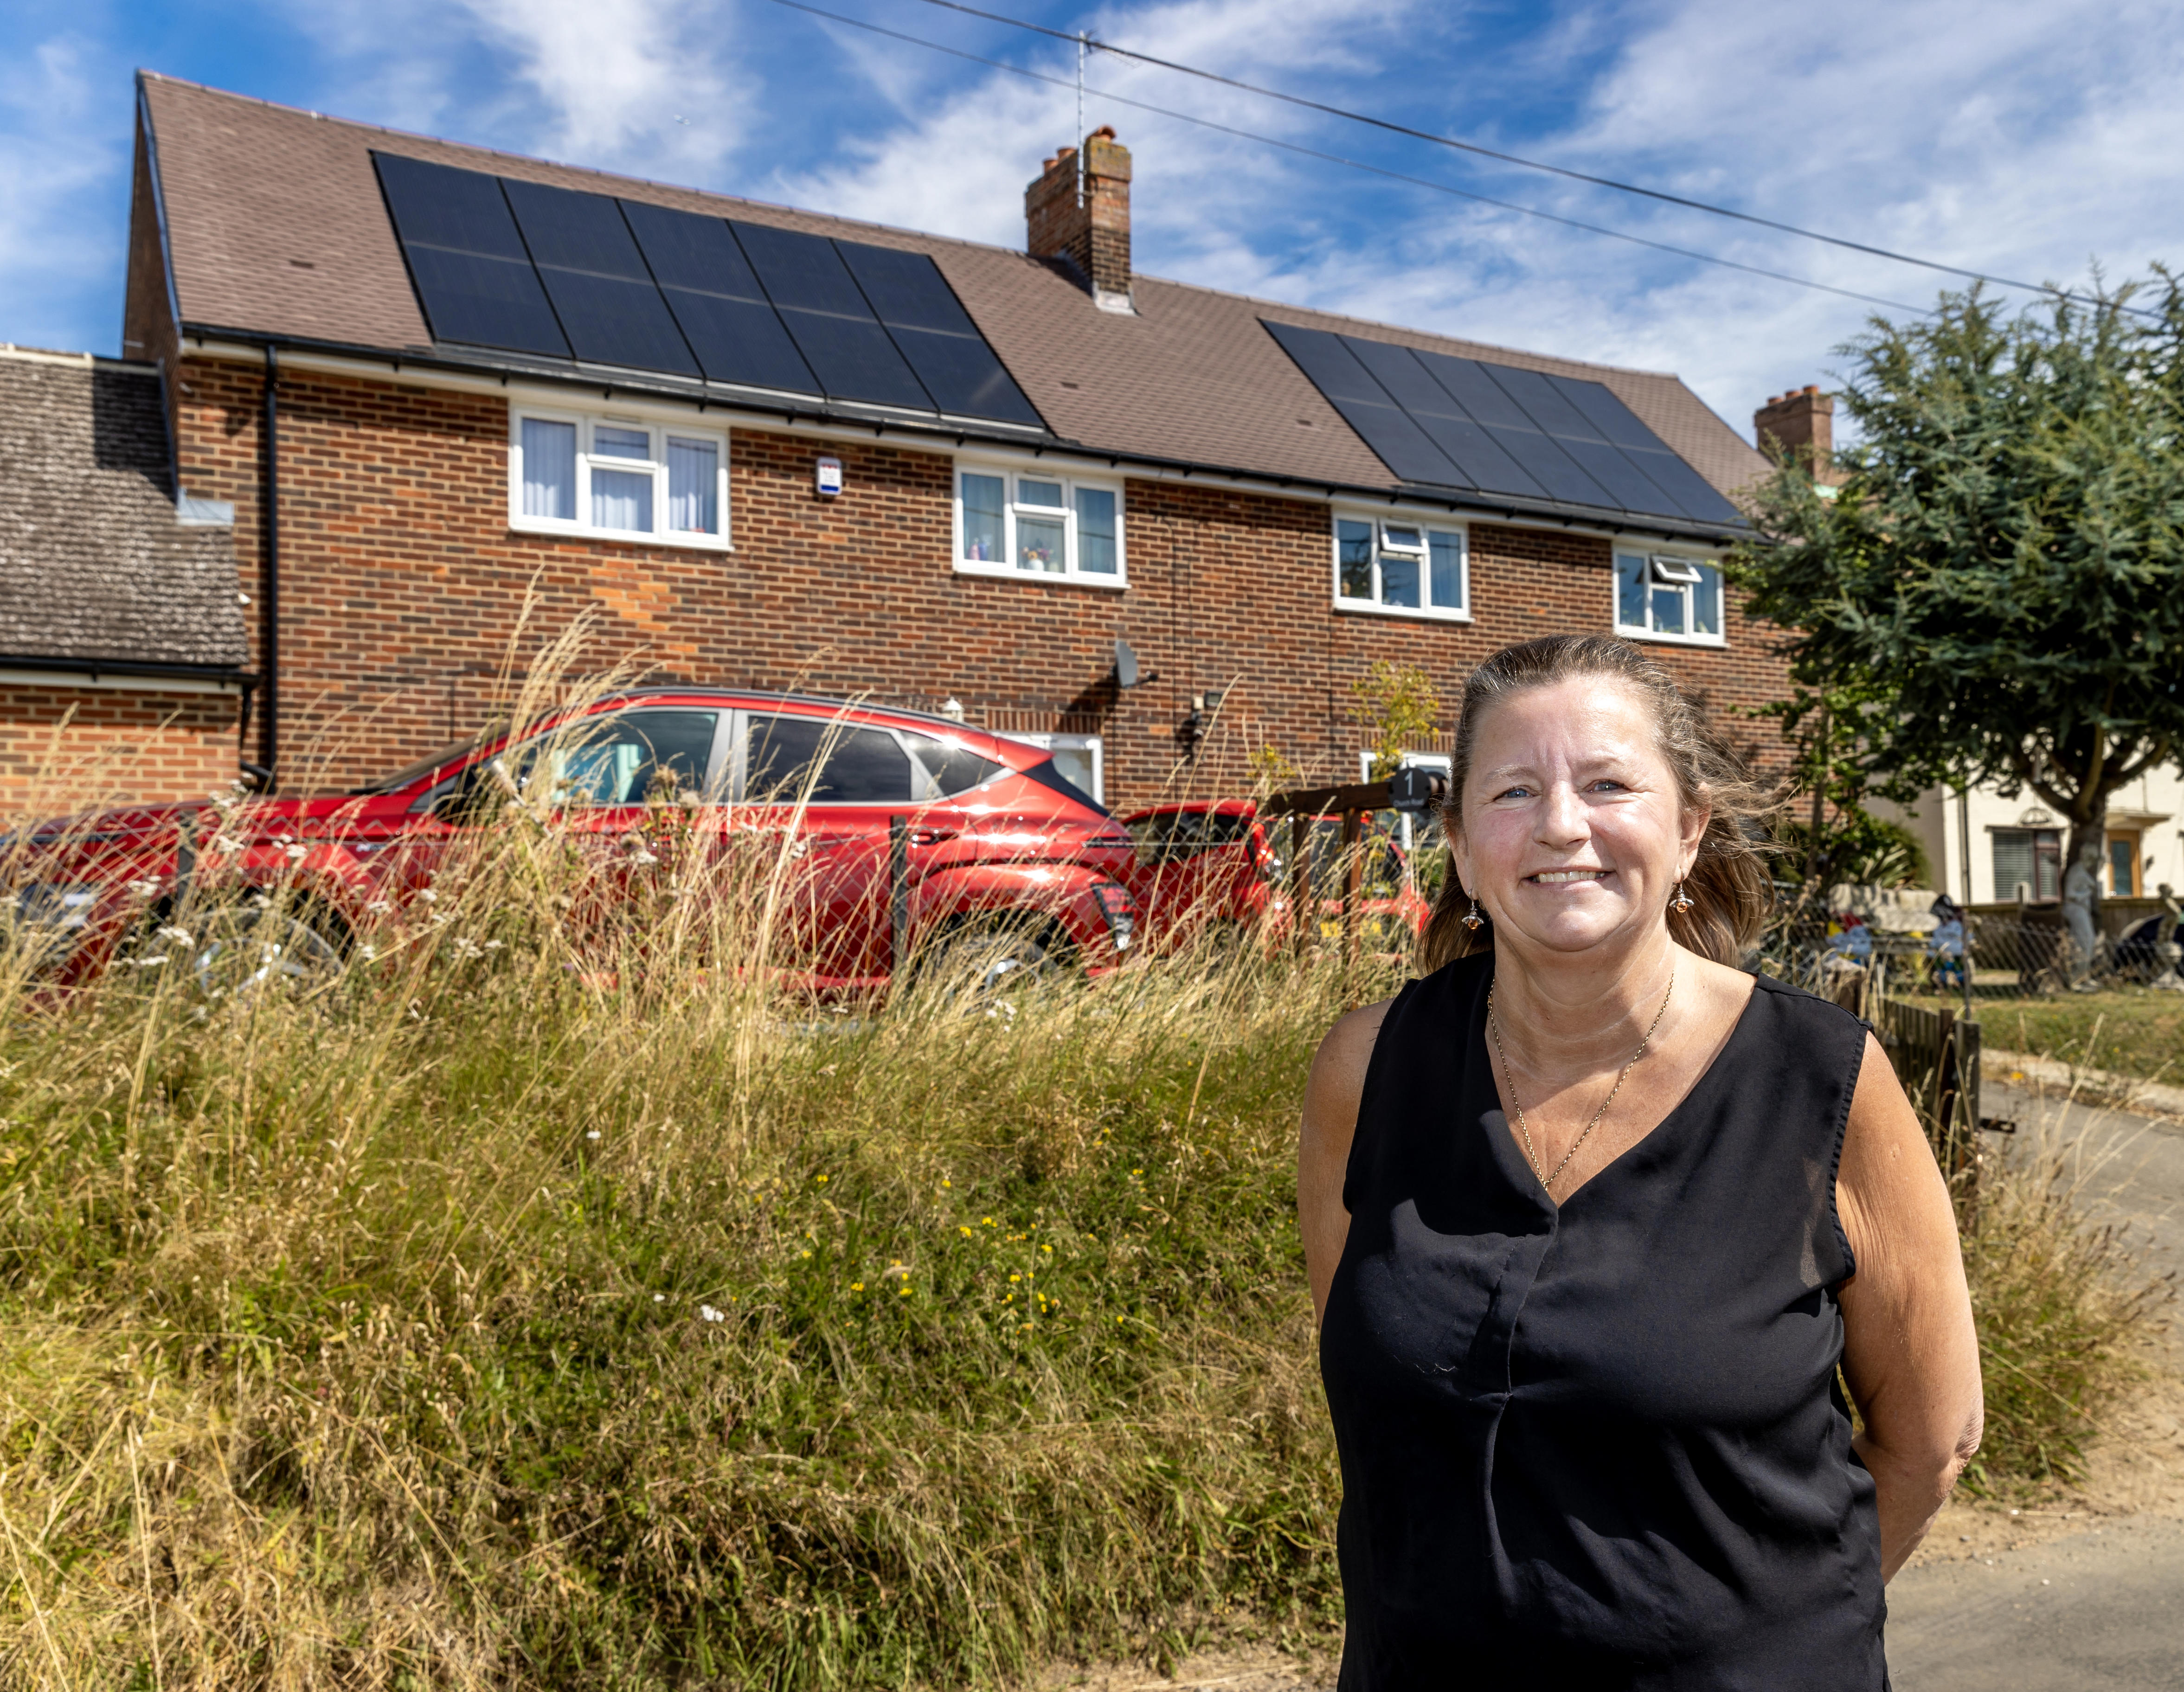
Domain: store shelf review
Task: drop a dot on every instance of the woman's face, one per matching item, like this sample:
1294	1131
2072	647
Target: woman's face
1571	830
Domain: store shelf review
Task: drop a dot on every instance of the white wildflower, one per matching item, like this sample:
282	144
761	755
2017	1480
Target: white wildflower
467	949
660	1298
378	907
144	889
369	953
181	937
492	945
440	919
592	1135
426	895
295	853
149	962
643	858
712	1314
225	843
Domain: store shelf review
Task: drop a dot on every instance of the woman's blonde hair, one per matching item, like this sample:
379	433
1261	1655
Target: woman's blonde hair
1728	884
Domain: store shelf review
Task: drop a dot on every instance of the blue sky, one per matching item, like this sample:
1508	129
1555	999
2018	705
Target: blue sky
2028	137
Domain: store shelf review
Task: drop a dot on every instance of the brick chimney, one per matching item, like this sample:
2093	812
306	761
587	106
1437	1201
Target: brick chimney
1093	236
1802	427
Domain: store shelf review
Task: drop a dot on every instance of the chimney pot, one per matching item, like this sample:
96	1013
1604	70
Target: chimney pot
1094	233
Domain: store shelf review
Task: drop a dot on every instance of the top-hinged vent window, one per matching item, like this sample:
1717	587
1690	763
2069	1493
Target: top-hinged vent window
523	267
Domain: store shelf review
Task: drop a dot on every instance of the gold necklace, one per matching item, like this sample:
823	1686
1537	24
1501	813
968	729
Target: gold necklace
1531	1156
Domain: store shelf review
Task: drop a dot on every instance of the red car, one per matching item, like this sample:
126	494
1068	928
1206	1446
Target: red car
1205	864
987	850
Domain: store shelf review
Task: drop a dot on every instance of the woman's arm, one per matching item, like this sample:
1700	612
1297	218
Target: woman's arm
1331	1120
1909	1353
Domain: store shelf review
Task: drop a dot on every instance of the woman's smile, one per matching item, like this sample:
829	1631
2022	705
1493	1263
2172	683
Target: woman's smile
1558	878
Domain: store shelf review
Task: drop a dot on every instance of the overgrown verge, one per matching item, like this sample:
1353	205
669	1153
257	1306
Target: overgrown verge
555	1300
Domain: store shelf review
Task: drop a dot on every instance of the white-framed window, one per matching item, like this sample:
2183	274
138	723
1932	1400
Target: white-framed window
1081	758
1041	522
617	477
1668	596
1402	566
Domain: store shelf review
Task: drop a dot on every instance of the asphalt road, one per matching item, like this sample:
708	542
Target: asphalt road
2101	1611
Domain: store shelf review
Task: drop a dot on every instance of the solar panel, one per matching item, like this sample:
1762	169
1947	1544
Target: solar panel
1544	403
854	358
484	302
686	250
1700	498
1616	422
474	279
1333	367
440	206
575	232
1467	381
963	377
906	289
802	271
1441	420
1552	467
740	341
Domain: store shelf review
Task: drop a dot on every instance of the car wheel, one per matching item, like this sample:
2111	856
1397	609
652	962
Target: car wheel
988	959
247	950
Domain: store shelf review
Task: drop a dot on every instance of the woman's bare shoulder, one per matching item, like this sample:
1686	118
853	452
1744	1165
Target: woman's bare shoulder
1337	1070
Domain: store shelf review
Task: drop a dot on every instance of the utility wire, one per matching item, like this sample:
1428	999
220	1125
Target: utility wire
1353	163
1450	142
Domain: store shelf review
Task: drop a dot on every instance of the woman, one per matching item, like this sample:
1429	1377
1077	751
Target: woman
1592	1218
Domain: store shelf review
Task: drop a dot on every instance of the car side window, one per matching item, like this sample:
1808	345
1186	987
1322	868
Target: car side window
954	769
862	765
630	758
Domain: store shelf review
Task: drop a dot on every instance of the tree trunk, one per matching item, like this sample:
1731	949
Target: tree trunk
2092	830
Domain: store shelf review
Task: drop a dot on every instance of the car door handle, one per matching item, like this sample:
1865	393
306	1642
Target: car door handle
930	836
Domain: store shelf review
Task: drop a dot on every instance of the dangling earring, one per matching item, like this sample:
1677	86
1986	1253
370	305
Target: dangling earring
1682	901
1472	919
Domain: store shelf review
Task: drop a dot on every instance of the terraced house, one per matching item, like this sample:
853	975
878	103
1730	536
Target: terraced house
1154	525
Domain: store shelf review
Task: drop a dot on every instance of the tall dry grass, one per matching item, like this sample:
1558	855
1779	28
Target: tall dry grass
555	1297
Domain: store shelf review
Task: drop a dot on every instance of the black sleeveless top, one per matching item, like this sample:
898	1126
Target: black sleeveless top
1602	1445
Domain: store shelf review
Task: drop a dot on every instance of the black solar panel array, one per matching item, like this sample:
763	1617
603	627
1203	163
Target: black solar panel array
1442	422
525	267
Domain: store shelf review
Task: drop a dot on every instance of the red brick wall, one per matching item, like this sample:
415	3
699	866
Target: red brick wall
62	746
402	588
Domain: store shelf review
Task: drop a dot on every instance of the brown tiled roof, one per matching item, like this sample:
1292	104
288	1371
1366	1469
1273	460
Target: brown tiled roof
277	227
93	564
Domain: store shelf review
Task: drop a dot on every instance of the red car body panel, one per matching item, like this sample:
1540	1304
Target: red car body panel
1013	844
1205	862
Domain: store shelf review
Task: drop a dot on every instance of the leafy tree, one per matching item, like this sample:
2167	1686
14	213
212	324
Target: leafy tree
1398	706
1996	593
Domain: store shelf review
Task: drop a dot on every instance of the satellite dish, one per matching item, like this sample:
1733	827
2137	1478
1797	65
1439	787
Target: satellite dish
1125	665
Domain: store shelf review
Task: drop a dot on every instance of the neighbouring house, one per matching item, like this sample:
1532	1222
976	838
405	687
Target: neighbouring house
1982	847
123	662
1155	525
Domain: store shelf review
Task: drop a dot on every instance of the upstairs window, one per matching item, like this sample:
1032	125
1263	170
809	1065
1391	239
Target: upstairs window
618	478
1396	565
1666	596
1038	523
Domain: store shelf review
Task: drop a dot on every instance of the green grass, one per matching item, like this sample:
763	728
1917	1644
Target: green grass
2132	1031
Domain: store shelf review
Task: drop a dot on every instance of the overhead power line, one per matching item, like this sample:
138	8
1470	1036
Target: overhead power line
1352	164
1451	142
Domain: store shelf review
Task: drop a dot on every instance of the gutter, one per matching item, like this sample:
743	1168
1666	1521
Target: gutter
129	675
859	423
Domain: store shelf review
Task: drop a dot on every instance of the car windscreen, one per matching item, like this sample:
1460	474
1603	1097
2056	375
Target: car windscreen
1047	775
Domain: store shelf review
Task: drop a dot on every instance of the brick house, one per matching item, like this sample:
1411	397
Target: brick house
123	662
433	380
